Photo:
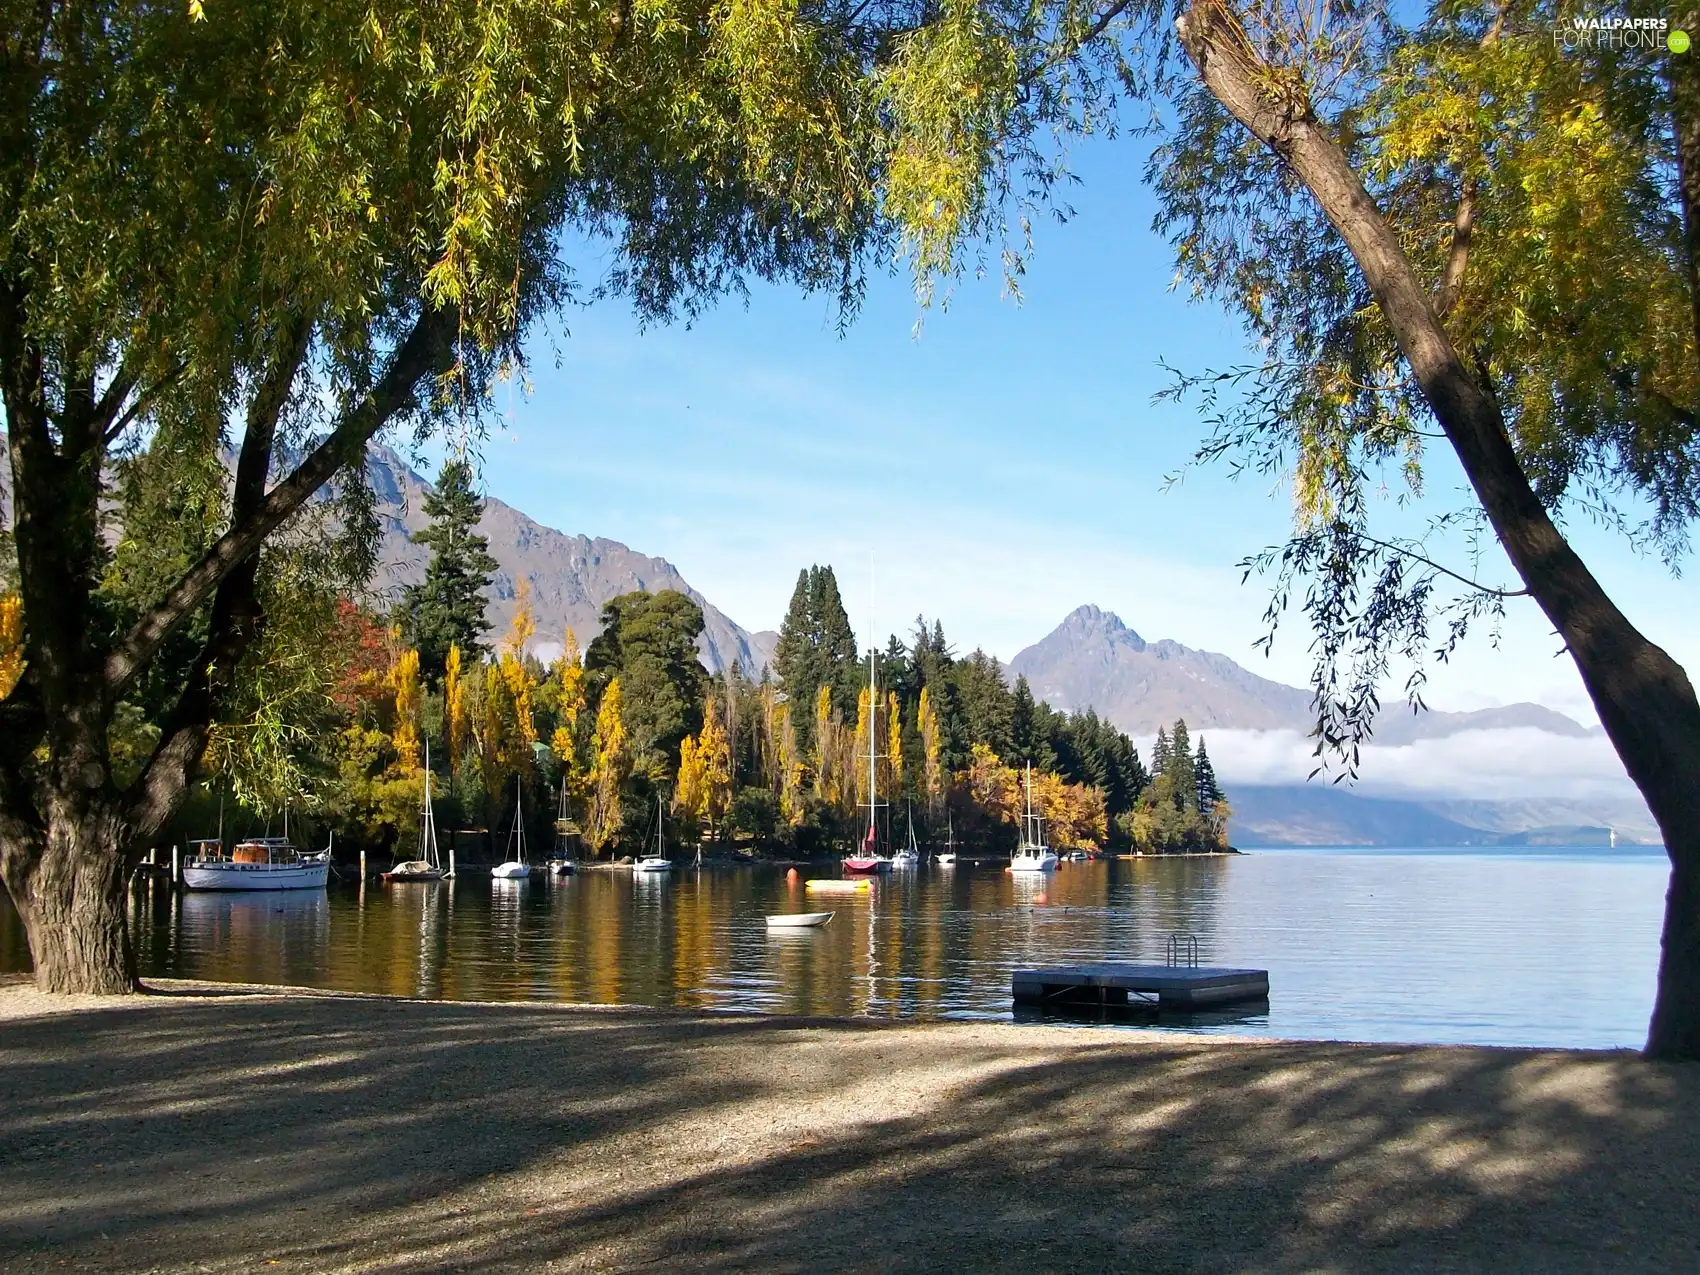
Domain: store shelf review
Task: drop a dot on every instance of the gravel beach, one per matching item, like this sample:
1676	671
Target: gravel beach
200	1129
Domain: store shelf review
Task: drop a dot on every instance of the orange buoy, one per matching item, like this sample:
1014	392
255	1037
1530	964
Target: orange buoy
791	875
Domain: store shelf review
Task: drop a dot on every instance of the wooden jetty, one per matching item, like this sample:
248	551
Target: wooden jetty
1126	983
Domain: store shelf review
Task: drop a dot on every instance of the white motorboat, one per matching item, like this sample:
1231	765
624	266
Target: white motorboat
259	863
797	920
657	862
1032	855
429	865
515	867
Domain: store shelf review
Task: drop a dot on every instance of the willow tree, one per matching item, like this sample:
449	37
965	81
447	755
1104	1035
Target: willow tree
1438	227
266	233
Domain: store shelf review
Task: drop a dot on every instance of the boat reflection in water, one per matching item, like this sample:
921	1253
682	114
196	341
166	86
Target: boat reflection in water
1365	947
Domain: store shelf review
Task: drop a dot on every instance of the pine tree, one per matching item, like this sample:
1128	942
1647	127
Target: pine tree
1160	753
1021	723
1204	775
1183	782
447	607
817	646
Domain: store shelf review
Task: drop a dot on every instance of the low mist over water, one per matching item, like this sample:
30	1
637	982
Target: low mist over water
1539	947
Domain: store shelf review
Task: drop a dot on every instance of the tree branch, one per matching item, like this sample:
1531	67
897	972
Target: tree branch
144	401
237	616
1458	258
427	349
1406	552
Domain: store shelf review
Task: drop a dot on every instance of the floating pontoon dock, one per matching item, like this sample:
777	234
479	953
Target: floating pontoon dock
1125	983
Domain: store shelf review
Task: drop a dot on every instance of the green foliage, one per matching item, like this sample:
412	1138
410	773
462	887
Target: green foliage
446	608
817	647
648	642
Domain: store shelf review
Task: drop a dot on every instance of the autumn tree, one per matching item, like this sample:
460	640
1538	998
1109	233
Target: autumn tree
404	680
611	764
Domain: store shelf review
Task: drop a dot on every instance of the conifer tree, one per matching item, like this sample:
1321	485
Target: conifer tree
1183	783
446	608
1021	723
1204	775
817	646
1160	753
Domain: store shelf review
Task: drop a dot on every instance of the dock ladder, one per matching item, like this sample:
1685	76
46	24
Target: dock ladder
1182	949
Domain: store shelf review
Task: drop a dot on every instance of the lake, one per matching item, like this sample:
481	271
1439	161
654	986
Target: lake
1506	947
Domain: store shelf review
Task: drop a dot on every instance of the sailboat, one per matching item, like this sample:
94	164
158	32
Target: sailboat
563	864
947	857
657	862
1032	855
515	868
910	855
429	865
870	860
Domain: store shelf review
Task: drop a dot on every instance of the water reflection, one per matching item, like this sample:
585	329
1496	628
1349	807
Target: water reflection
1537	949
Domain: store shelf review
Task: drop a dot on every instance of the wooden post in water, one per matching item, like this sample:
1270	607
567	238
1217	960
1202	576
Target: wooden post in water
362	867
451	859
176	867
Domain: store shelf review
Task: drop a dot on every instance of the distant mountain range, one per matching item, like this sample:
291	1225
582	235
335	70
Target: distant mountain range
570	576
1093	660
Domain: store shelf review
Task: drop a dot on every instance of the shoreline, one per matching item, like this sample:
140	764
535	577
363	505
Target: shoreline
234	1127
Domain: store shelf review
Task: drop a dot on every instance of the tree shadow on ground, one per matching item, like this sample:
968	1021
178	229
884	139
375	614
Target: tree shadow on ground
395	1136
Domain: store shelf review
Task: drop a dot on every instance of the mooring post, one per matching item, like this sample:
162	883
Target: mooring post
176	867
451	861
362	865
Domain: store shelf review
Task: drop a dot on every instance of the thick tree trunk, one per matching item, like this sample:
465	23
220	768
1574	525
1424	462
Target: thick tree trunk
71	899
1645	701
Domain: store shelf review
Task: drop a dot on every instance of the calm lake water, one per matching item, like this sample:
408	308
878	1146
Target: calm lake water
1548	946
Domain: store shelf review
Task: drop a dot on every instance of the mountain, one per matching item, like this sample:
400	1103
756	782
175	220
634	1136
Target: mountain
570	576
1093	660
1316	815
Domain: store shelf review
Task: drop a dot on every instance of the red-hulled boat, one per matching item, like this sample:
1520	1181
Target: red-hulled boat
867	861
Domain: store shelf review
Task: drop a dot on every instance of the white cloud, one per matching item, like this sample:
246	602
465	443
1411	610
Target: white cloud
1490	765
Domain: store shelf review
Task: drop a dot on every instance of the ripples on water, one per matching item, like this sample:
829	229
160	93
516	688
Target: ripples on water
1538	947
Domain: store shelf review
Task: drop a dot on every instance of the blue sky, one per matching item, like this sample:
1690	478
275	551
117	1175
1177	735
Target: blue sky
1003	465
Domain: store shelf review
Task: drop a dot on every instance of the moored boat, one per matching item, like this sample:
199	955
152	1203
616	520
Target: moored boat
515	867
797	920
947	857
657	862
259	863
429	865
910	855
1032	855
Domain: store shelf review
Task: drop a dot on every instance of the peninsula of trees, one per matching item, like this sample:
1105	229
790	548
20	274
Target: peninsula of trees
775	764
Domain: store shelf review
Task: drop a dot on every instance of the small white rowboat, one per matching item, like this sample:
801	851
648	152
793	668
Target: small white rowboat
797	920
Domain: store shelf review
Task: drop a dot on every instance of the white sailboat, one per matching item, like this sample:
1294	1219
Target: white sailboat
657	862
563	864
870	860
947	856
910	855
1032	855
515	868
429	865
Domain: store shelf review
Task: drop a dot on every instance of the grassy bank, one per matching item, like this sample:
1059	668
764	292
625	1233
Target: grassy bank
192	1131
